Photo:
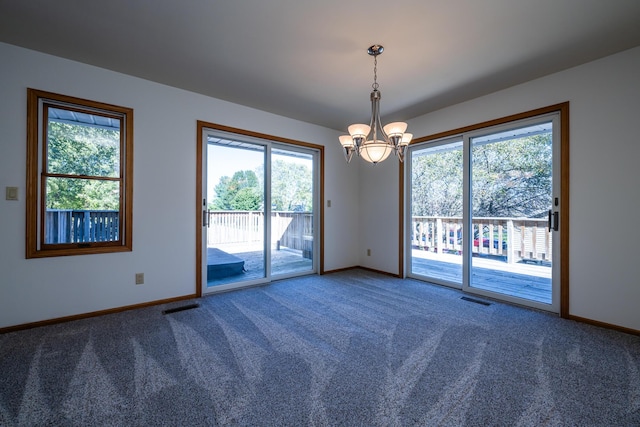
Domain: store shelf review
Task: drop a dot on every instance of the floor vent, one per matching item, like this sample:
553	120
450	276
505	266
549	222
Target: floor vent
184	307
477	301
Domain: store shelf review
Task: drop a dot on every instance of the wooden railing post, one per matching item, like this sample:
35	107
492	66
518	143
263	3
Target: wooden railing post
438	236
523	237
547	244
510	242
86	222
534	248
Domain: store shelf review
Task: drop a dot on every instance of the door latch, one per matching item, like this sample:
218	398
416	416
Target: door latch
554	220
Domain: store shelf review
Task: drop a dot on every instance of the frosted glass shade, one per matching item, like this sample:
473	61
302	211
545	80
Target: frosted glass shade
375	152
359	130
406	139
395	128
346	140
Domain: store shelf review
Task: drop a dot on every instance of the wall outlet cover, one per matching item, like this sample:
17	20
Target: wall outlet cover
12	193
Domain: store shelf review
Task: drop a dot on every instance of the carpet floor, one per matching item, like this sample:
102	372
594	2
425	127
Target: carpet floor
353	348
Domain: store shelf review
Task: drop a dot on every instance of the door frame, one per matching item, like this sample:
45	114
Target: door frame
563	110
199	211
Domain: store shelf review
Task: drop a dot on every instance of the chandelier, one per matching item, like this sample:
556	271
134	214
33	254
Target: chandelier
373	142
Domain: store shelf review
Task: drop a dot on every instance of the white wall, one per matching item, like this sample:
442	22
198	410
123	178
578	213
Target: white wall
379	219
164	191
604	98
604	276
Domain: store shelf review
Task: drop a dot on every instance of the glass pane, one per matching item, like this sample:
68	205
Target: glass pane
511	175
81	147
291	212
235	191
436	212
81	210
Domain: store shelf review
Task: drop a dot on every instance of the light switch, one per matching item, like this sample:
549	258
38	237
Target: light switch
12	193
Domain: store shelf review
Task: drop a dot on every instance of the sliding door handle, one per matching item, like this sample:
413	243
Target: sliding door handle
554	220
205	218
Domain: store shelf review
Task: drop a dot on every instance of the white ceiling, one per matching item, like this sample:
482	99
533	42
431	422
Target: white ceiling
307	59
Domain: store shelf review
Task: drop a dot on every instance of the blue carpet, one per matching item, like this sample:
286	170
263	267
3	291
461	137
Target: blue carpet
347	349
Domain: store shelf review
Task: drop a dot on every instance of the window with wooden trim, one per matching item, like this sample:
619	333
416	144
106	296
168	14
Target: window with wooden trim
79	176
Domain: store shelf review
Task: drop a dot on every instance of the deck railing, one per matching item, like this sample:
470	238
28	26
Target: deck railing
77	226
292	230
512	239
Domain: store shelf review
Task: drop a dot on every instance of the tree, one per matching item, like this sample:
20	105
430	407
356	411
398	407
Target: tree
510	179
82	152
437	184
240	192
291	186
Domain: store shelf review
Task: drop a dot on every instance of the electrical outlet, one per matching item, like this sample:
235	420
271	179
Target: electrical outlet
139	278
368	252
328	203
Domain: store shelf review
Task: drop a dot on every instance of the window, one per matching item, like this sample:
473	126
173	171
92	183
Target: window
79	176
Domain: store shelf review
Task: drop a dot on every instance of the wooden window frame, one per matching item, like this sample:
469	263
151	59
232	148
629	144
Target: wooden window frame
38	104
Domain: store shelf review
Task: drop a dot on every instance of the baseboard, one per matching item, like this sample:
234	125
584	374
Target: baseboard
92	314
570	317
192	296
604	325
338	270
358	267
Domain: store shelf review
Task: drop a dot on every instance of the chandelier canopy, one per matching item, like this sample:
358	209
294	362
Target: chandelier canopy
373	142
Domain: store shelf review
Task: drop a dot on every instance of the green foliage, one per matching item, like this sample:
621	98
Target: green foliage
437	184
510	179
82	152
240	192
291	186
291	189
247	199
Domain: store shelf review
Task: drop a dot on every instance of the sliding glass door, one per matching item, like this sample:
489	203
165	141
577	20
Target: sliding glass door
292	211
259	218
511	200
436	225
235	218
483	211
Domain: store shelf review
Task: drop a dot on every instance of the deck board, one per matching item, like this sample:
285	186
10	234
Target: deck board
529	286
518	280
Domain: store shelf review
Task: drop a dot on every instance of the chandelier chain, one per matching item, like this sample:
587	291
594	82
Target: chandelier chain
375	73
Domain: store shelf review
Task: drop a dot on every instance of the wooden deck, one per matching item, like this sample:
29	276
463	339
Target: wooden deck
532	282
521	280
283	261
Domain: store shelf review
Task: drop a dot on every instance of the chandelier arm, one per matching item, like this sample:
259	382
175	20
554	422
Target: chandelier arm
376	125
372	121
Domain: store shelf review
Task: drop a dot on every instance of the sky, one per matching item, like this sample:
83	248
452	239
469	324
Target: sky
225	161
